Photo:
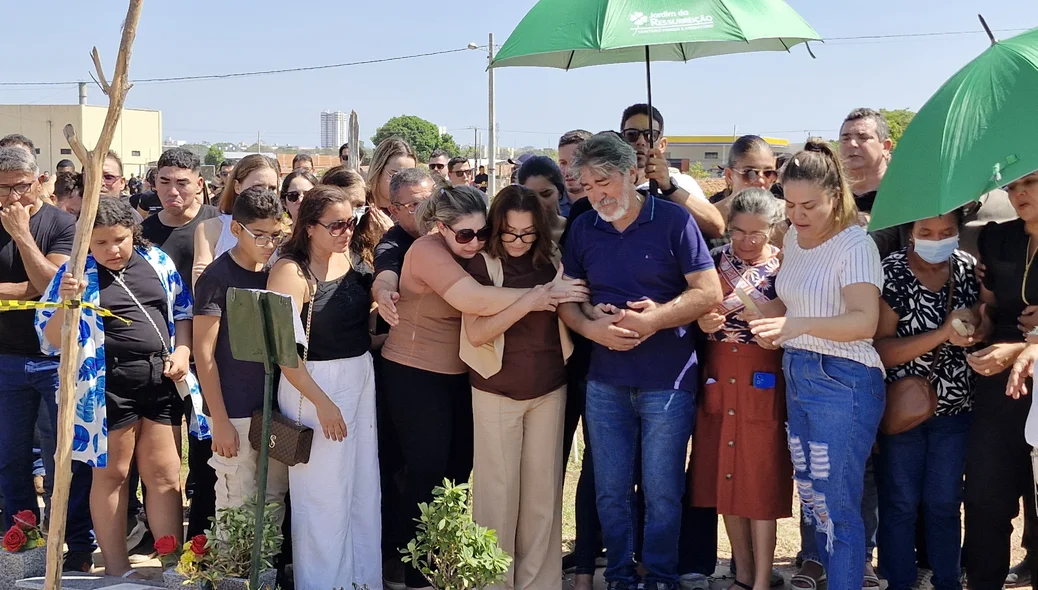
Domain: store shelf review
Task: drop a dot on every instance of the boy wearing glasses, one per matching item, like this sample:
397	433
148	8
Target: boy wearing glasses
649	144
233	389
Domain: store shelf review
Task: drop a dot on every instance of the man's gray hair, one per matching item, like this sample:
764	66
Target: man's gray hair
882	128
408	177
16	159
760	203
606	154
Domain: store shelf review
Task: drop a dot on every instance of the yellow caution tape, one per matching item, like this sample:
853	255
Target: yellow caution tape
11	305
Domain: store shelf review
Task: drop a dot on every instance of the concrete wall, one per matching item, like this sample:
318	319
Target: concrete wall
137	139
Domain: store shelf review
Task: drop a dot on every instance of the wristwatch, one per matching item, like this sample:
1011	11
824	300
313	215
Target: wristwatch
673	188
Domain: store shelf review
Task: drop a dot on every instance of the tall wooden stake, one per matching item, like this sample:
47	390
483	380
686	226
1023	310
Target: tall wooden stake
92	161
353	137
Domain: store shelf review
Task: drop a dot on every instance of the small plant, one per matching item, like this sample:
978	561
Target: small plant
23	534
452	551
225	551
167	549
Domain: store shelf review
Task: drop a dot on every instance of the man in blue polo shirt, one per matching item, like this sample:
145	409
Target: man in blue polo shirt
650	275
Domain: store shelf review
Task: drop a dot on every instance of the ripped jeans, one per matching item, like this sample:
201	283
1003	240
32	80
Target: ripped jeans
834	407
624	422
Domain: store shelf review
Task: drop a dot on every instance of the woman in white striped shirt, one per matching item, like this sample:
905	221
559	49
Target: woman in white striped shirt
830	282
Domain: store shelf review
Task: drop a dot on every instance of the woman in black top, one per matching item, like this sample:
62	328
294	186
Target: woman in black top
337	491
998	462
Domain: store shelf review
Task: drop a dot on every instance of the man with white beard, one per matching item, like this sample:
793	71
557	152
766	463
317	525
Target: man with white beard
650	275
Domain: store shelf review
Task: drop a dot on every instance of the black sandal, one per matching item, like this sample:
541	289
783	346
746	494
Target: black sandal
741	585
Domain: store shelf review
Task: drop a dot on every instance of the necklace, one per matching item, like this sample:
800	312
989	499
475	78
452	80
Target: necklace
1027	270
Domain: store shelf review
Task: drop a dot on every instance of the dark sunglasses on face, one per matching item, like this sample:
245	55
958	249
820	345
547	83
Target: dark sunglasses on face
437	166
464	236
293	196
753	175
337	228
631	135
463	173
110	178
509	237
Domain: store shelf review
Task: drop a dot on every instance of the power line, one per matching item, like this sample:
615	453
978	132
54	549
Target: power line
255	73
918	35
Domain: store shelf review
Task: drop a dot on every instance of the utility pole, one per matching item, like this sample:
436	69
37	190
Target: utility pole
491	126
259	145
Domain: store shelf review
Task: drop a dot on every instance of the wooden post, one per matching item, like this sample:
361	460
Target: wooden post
353	138
93	161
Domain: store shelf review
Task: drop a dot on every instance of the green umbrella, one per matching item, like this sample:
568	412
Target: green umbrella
975	134
571	34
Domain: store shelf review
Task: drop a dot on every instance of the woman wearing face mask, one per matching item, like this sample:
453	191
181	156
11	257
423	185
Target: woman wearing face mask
213	237
917	336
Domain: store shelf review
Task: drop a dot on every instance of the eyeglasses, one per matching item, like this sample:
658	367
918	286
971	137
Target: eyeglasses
752	175
293	196
437	166
509	237
755	237
631	135
18	190
463	173
264	241
337	228
464	236
359	212
225	173
110	178
409	207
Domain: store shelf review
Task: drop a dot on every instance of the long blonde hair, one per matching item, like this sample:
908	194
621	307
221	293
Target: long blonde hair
818	163
387	149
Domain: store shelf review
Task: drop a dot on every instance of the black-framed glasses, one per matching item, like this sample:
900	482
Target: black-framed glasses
292	196
464	236
631	135
17	189
527	238
264	241
462	173
752	175
437	166
337	228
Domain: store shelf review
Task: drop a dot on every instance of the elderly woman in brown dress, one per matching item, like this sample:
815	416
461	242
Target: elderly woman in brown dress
740	461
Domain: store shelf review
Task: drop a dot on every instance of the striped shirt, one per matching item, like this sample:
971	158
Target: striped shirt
811	283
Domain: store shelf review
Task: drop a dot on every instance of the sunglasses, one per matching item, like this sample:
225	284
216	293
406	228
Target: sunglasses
631	135
464	236
509	237
753	175
292	196
337	228
110	178
437	166
463	173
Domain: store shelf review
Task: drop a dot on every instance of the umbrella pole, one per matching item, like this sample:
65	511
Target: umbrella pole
654	187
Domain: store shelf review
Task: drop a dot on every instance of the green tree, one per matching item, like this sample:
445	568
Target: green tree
422	135
697	171
214	156
897	120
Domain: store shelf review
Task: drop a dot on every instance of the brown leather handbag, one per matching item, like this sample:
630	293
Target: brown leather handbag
912	400
290	441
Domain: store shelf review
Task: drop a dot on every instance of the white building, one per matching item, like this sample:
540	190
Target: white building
334	129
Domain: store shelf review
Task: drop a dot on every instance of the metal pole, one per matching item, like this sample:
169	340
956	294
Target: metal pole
264	449
491	127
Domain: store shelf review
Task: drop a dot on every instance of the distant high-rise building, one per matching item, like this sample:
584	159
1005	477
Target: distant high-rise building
334	125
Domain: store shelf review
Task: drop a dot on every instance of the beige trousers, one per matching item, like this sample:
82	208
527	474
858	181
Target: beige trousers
517	483
237	477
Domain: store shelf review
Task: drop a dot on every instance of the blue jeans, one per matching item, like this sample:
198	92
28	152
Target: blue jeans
869	515
923	466
834	407
622	422
24	382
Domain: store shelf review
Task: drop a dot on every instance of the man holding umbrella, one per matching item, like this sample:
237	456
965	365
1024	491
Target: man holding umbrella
681	189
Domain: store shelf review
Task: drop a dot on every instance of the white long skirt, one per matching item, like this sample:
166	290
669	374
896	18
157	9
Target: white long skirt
336	526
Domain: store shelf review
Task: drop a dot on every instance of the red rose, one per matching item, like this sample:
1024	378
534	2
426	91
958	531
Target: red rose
166	545
25	519
198	545
15	539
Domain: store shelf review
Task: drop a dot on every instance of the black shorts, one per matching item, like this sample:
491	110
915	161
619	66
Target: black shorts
135	388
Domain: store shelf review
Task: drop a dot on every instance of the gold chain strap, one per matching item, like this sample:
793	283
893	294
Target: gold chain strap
306	349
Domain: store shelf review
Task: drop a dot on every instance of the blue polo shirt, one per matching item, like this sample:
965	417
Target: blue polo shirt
648	260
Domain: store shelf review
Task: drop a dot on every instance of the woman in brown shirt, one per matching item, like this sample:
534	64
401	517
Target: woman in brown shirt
517	362
427	386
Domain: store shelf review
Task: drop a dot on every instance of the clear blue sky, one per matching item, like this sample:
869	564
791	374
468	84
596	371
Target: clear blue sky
777	94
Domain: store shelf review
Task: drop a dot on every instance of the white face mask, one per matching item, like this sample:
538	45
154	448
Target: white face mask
936	251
